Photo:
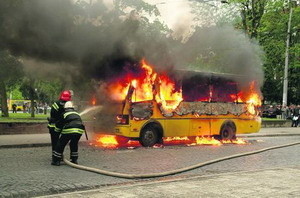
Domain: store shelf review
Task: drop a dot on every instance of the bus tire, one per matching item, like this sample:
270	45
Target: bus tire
227	132
149	136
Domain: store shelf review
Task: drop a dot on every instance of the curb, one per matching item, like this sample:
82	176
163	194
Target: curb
270	135
49	144
25	145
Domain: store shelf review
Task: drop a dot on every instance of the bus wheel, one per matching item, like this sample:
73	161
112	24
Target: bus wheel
227	132
149	136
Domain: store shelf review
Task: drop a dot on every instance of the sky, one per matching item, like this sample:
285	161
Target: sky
173	11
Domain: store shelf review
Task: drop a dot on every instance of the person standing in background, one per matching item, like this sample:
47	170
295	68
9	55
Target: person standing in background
295	116
284	112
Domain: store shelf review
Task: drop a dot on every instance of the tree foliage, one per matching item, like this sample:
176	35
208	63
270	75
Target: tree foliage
251	14
267	21
272	35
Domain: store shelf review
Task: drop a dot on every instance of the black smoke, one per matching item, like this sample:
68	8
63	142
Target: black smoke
92	37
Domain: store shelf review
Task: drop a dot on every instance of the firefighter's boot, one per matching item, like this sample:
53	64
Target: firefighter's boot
56	158
55	161
74	157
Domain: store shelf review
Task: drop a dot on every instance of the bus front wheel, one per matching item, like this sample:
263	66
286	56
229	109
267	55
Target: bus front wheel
149	136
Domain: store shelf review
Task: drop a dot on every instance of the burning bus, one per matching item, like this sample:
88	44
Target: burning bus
195	104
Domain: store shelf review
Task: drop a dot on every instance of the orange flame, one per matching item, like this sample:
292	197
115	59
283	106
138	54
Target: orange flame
111	142
168	97
253	99
143	88
170	139
118	91
107	141
209	141
250	96
149	85
94	101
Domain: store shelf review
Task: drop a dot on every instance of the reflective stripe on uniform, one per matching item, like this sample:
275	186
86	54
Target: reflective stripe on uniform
72	130
55	106
56	154
69	113
51	125
57	129
74	154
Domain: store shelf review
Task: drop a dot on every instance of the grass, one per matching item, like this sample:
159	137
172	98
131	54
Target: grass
272	119
24	117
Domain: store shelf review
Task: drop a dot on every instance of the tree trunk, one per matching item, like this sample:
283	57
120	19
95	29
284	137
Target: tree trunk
3	96
32	97
32	107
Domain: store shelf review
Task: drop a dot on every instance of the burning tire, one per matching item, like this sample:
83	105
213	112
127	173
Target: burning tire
227	132
149	136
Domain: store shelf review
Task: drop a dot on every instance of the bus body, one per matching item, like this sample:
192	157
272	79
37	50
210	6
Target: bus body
19	104
211	106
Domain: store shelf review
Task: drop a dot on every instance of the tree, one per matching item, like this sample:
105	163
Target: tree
272	36
28	91
267	21
48	91
10	72
252	12
38	90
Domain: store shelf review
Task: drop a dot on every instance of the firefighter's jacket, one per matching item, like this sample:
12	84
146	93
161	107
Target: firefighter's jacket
71	123
57	109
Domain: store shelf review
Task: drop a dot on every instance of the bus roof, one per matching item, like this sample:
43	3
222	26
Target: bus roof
190	72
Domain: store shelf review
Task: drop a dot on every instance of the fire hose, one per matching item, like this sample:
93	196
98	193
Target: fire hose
172	172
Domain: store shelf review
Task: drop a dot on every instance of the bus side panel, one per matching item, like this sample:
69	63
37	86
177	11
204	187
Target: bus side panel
135	127
248	126
200	127
216	125
176	127
242	125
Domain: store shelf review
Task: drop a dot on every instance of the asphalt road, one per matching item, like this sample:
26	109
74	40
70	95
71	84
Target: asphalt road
26	172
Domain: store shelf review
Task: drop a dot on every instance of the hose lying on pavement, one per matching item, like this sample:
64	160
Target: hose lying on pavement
172	172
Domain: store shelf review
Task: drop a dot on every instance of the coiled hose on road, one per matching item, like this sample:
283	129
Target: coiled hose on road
172	172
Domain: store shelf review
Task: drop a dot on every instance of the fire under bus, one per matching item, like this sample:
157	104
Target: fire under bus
198	105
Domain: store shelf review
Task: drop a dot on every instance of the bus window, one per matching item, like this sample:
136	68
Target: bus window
195	89
223	90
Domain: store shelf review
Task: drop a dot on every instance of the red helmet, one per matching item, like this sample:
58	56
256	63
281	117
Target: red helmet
65	95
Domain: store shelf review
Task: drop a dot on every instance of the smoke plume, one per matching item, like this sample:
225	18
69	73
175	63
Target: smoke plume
222	49
93	41
100	43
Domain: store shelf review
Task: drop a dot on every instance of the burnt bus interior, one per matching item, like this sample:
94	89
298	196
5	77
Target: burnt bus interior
199	89
209	87
204	87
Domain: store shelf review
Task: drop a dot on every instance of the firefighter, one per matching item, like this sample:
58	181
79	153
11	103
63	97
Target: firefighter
56	112
71	130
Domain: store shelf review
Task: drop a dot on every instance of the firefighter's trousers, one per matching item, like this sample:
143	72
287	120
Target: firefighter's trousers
61	144
54	137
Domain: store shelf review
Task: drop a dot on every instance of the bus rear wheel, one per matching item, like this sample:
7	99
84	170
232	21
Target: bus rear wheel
149	136
227	132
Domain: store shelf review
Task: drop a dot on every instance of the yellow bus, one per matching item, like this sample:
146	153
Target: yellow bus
204	104
19	104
